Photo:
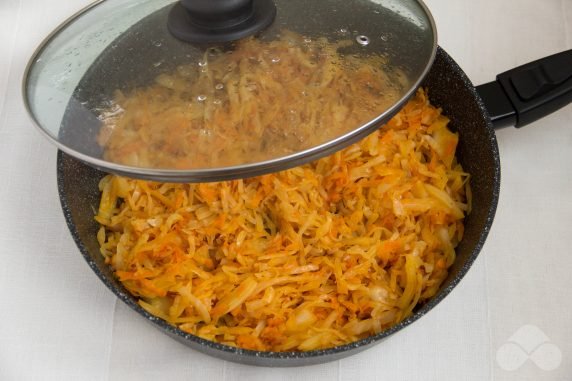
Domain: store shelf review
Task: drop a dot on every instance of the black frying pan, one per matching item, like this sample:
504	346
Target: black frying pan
517	97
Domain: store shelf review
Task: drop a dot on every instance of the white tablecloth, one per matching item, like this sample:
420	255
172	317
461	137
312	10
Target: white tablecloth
58	322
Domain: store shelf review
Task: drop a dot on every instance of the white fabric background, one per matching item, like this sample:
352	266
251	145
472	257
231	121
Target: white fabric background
58	322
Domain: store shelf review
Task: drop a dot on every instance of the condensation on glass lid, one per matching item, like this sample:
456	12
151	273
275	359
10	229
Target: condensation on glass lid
259	101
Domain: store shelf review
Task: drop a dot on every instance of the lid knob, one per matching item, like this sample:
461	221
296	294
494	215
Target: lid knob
212	21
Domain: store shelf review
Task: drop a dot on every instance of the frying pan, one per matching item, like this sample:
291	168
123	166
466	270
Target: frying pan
517	97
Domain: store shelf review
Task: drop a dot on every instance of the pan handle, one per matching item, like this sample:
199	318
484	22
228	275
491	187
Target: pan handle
529	92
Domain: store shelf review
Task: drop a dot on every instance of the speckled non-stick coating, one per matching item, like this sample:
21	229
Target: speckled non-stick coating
448	88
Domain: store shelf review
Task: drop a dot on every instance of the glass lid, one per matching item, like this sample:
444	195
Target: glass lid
205	90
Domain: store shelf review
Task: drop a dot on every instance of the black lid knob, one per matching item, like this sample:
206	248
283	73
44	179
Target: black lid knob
211	21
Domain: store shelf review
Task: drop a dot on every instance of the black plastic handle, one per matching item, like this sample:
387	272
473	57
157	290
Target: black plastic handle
529	92
218	14
216	21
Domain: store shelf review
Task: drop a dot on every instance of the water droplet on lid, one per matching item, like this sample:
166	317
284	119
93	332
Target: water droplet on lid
307	40
384	37
362	40
203	63
376	12
343	31
157	64
219	86
201	98
205	132
275	60
157	43
217	102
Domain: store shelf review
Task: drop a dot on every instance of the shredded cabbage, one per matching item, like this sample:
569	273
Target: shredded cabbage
312	257
259	101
